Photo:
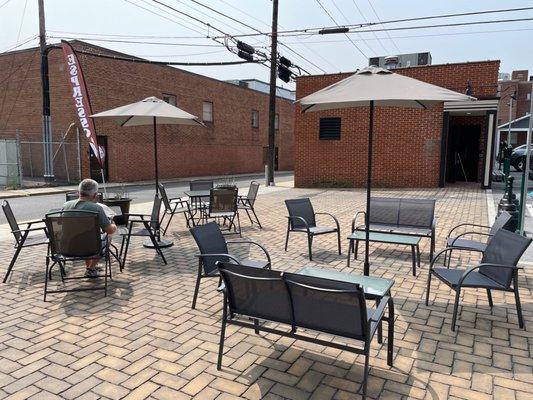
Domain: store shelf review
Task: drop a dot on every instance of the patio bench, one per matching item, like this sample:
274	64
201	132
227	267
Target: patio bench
402	216
305	302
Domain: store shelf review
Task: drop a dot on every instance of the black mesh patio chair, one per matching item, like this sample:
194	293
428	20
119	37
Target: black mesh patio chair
498	271
453	239
214	247
75	235
302	218
223	208
145	226
301	302
24	237
173	206
200	204
247	203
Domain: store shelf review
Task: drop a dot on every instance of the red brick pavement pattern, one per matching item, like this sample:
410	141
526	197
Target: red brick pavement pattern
144	341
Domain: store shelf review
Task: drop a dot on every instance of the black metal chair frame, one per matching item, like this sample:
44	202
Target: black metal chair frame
307	230
247	204
151	224
487	235
173	206
202	256
21	235
228	318
53	259
230	219
460	285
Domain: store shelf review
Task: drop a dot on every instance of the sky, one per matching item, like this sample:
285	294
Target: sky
113	20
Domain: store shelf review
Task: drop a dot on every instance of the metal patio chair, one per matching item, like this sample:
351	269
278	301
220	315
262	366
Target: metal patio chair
75	235
247	203
145	226
498	270
173	206
200	204
23	236
223	207
459	241
302	218
214	247
302	303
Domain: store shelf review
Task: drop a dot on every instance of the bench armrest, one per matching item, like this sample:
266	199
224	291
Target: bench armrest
354	219
447	249
515	268
470	233
290	218
466	224
200	255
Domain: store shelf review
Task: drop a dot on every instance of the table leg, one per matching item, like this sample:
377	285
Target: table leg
350	249
380	326
418	254
413	256
390	339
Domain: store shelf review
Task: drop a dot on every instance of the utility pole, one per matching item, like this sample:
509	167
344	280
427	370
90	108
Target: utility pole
45	87
272	98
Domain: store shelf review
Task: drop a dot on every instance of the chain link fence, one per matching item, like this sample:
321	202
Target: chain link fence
22	158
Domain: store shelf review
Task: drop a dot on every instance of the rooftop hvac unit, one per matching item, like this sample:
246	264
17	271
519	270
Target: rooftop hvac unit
391	62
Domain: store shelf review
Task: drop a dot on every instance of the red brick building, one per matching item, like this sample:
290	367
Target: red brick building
412	148
232	142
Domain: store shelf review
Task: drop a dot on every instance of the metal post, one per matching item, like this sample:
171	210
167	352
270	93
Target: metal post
272	94
510	119
19	160
525	176
79	151
45	86
155	159
366	269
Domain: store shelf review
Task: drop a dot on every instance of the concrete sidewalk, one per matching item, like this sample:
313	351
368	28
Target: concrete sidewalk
41	191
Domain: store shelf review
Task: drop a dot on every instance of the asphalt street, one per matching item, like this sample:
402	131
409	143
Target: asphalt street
35	207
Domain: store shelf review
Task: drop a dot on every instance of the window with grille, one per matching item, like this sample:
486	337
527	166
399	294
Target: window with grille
330	128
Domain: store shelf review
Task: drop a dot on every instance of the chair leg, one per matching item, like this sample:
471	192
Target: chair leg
365	375
489	296
356	251
197	286
257	219
256	324
46	278
12	263
128	238
449	259
518	305
168	223
455	307
339	241
249	216
287	236
432	246
157	248
222	334
380	327
350	250
310	246
428	288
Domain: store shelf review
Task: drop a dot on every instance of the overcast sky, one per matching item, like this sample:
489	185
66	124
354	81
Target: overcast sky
509	42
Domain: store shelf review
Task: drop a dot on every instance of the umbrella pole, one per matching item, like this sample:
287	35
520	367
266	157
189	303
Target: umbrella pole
155	159
368	187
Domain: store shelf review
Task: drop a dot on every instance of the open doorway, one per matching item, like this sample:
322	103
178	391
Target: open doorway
463	153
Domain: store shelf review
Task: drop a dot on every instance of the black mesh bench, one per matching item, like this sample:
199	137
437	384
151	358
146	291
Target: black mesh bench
334	306
403	216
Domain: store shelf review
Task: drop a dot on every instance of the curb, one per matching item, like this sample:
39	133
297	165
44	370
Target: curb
10	194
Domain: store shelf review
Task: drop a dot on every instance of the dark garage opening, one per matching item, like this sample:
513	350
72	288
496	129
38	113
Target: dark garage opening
462	161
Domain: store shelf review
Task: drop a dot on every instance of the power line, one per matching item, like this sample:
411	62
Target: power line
377	16
134	41
4	3
255	29
335	22
126	36
16	46
316	29
364	19
346	19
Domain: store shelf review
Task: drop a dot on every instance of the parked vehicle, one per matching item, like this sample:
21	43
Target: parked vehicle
518	157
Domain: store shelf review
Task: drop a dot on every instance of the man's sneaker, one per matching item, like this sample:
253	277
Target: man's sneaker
91	273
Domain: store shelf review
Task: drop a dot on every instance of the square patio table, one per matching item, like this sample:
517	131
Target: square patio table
198	200
383	237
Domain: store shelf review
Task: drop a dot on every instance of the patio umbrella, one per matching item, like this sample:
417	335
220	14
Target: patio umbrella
150	111
374	86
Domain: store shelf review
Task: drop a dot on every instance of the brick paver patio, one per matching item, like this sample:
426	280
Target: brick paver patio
144	341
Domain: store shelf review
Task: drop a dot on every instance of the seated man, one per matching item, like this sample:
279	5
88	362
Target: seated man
88	191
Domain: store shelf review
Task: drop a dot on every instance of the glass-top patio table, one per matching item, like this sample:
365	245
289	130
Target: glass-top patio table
373	287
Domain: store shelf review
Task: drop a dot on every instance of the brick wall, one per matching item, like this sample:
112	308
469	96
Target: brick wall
228	145
407	142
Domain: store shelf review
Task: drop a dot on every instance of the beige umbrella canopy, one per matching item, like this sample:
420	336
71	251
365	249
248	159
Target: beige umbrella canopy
150	111
377	86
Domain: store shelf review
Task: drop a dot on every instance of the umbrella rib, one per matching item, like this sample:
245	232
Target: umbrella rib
422	104
125	122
